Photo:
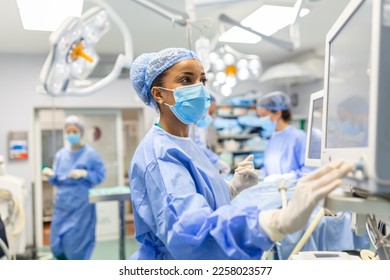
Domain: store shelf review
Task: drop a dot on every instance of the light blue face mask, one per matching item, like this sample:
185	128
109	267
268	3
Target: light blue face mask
267	127
205	121
192	102
73	138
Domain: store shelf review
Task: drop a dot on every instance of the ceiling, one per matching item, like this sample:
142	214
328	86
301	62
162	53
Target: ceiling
151	31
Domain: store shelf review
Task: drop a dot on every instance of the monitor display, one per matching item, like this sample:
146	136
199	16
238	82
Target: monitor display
356	95
349	82
314	133
316	130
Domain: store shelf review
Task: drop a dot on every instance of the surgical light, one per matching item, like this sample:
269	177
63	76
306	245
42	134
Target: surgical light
243	74
226	90
73	56
228	58
231	67
220	77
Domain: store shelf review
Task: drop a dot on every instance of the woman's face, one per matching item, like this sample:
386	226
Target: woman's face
184	73
261	112
72	129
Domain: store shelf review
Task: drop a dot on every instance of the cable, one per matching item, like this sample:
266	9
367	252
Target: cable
16	213
308	232
282	189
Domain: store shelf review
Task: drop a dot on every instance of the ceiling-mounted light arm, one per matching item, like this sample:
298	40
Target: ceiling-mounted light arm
283	44
297	10
128	42
122	61
294	28
175	17
73	57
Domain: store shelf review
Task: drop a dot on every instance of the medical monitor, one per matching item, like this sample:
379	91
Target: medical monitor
314	130
356	121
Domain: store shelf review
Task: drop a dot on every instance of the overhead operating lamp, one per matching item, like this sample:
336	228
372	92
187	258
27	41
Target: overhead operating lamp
73	56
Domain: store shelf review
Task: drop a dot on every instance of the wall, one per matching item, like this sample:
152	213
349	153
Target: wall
303	93
19	77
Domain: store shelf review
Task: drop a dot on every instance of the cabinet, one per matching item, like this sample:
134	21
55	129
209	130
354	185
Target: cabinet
236	141
238	133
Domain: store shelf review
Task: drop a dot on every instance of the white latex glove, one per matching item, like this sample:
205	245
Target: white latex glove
48	172
223	168
244	176
78	173
309	190
279	177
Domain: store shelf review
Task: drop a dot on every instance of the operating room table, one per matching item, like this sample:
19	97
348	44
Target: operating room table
120	194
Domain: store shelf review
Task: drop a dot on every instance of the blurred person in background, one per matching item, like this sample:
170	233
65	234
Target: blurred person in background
77	169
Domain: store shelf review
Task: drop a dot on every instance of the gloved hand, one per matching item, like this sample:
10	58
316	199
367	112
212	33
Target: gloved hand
244	177
78	173
223	168
279	177
48	172
309	190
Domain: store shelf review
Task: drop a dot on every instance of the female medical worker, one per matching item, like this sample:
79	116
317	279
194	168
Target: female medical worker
181	203
76	169
284	156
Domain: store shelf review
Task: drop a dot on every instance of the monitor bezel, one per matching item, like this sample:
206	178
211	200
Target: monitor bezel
355	154
311	162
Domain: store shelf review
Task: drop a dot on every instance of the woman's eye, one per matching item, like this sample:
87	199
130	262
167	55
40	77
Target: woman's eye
185	81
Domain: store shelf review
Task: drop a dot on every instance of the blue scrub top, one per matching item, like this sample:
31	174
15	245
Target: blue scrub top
182	205
285	153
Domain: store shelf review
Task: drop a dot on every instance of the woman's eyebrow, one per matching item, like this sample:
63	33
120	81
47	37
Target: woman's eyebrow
185	73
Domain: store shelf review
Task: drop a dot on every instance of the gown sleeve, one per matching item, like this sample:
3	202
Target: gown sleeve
96	169
187	223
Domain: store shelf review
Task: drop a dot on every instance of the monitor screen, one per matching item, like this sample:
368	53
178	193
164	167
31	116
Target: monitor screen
316	129
349	82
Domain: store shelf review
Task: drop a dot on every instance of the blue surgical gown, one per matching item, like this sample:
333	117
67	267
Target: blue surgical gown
213	157
72	232
182	205
285	153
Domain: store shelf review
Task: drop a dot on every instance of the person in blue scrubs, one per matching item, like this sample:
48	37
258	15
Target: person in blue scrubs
77	169
284	155
181	204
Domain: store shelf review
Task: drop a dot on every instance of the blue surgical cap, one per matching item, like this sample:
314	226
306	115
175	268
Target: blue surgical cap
148	66
274	101
74	120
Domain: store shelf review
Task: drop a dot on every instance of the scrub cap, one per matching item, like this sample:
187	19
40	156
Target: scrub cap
148	66
276	100
75	121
